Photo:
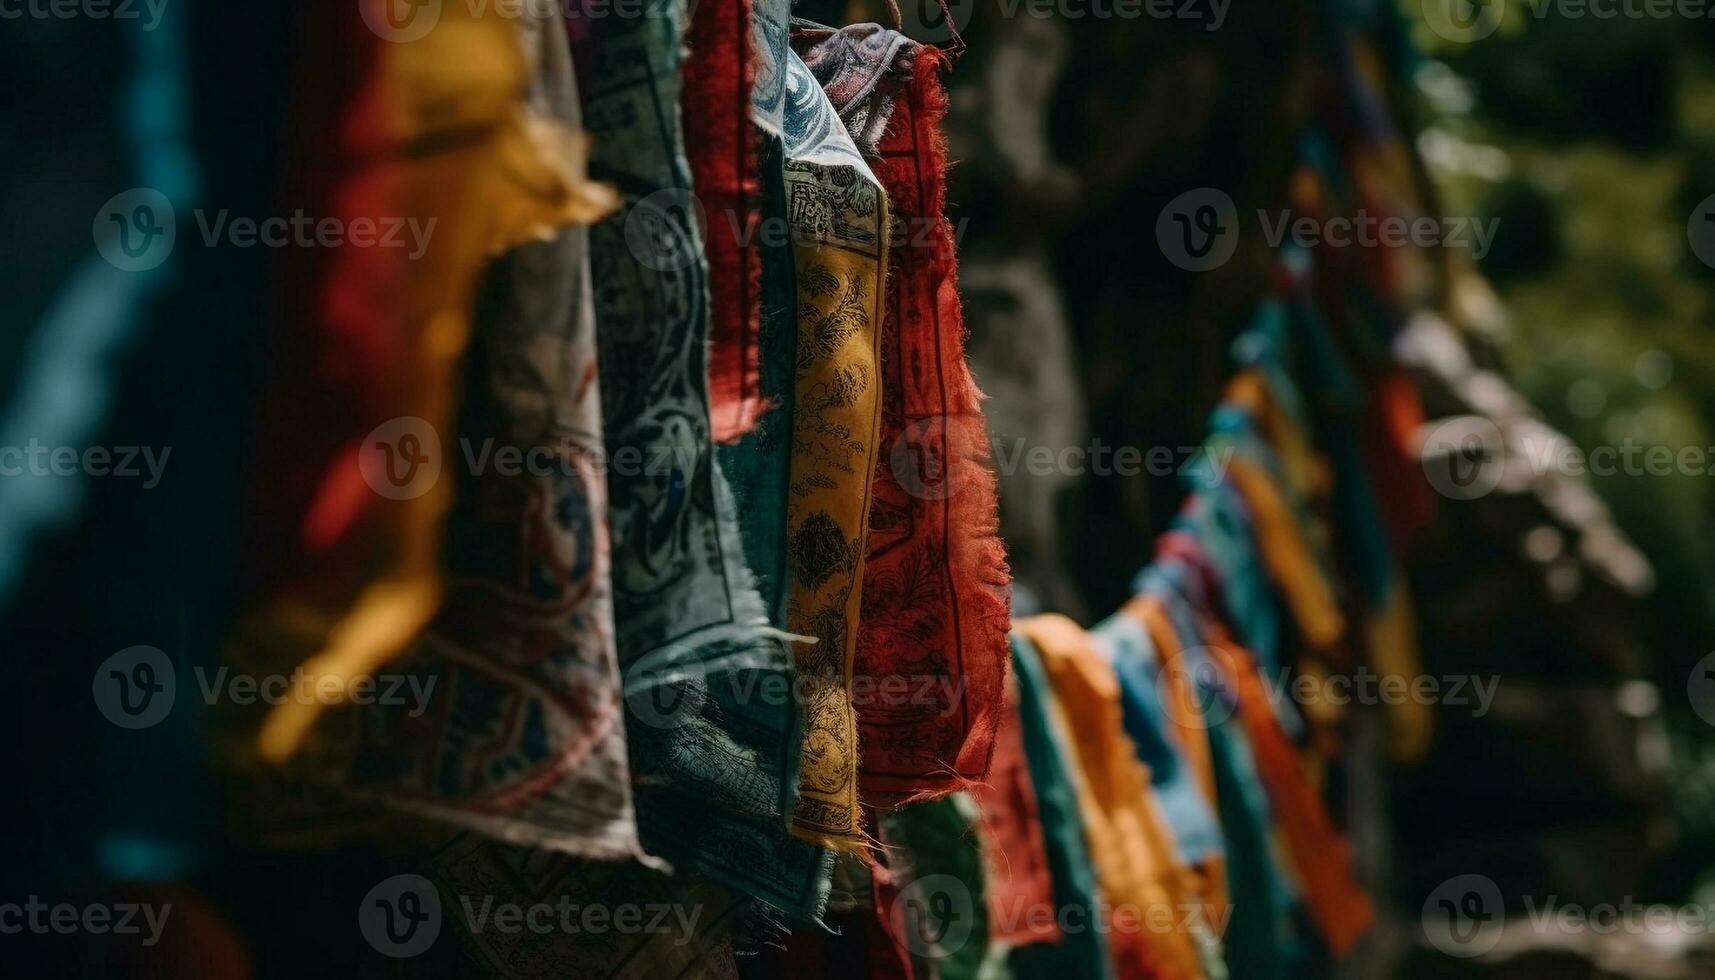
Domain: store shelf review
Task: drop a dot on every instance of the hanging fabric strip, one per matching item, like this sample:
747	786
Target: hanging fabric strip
1319	852
434	129
935	597
1152	683
1136	862
937	862
1082	949
1389	629
684	601
1020	884
710	720
758	465
527	743
720	72
1262	477
839	219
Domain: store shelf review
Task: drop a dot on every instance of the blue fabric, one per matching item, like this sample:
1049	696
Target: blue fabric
1126	644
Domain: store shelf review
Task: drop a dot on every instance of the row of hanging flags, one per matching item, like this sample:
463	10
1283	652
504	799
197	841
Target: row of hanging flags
769	667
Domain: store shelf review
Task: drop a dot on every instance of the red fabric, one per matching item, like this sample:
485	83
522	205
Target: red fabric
722	144
936	602
335	349
1015	857
1319	852
1394	416
887	955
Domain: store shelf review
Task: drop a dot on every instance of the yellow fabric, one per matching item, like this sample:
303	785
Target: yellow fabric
458	148
1180	702
835	429
1391	638
1137	865
1291	563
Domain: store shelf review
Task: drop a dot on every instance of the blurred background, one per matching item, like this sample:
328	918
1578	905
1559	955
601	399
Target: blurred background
1588	140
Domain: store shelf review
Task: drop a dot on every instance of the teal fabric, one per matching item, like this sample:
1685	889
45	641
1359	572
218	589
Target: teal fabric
1137	664
758	465
1260	939
1260	943
1082	952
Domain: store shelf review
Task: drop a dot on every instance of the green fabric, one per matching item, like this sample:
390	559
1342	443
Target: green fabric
938	841
1081	954
1259	936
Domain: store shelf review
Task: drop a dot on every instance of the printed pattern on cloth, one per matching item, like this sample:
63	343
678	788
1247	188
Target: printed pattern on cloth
528	742
935	597
838	219
710	719
683	599
520	737
757	466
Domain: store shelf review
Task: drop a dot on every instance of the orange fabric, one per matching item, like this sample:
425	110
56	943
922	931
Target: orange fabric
1192	731
1320	854
1291	563
1304	469
1182	708
1136	863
